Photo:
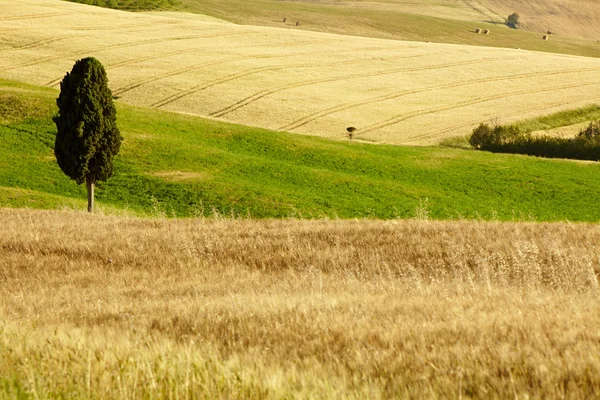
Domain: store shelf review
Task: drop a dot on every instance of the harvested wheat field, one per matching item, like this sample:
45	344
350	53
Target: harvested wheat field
577	18
117	307
299	81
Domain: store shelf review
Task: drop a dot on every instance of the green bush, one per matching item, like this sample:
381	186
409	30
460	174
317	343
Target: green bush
514	20
509	139
485	135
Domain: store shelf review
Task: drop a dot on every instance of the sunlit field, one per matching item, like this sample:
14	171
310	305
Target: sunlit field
304	82
104	306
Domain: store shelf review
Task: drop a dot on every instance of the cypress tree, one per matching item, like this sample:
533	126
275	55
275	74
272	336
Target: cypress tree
87	136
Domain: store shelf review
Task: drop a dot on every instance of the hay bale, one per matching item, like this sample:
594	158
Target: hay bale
545	37
549	32
285	20
486	32
478	30
298	23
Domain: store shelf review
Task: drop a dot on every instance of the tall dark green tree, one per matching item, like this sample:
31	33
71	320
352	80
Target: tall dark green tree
87	138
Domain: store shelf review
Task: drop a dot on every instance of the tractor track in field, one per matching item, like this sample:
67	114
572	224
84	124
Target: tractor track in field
267	92
206	85
32	16
37	43
306	120
111	47
472	123
164	55
408	116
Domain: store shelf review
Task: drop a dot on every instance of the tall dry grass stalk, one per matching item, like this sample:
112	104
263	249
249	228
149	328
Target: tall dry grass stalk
119	307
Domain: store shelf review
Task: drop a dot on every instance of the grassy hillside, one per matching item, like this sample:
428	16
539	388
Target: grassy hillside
394	92
183	166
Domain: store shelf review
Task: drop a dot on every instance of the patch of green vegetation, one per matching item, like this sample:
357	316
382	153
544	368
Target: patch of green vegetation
131	5
560	119
239	170
366	19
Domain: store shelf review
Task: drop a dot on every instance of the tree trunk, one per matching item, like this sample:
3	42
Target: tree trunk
90	192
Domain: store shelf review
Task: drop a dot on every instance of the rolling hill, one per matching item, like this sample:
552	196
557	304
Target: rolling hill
181	166
395	92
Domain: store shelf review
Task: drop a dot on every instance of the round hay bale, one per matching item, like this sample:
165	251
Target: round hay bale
285	20
478	30
545	37
298	23
549	32
486	32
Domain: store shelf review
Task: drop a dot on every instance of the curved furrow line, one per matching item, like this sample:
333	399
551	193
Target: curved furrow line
204	86
37	43
342	107
472	123
267	92
32	16
100	49
140	59
179	52
479	100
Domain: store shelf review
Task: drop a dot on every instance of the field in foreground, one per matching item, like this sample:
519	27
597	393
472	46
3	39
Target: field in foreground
183	166
394	92
102	306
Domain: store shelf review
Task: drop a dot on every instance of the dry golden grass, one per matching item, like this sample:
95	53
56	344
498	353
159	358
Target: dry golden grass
118	307
578	18
305	82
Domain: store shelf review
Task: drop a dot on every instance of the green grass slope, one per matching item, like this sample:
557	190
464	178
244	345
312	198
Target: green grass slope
184	166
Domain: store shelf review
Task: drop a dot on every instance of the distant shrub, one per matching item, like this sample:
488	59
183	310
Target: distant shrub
486	136
510	139
514	20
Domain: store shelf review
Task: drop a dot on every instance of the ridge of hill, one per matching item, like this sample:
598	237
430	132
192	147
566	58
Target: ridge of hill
177	165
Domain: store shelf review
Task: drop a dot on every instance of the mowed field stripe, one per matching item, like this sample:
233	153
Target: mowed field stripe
27	17
83	53
38	43
134	85
479	100
203	86
343	107
267	92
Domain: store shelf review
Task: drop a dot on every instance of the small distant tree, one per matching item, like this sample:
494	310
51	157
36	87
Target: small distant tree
87	136
514	20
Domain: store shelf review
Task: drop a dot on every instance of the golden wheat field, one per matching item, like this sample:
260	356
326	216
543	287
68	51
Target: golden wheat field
101	306
294	80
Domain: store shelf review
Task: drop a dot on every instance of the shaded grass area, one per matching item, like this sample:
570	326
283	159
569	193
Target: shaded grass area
131	5
362	19
177	165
